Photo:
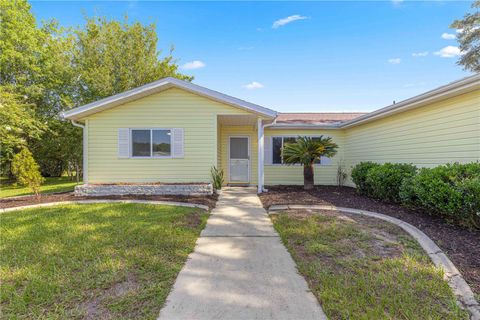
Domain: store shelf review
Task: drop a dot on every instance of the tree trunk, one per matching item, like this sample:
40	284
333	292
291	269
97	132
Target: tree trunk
308	183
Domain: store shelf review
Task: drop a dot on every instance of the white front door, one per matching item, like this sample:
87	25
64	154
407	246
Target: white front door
239	159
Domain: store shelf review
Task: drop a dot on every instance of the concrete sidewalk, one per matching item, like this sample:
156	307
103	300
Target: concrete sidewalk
240	269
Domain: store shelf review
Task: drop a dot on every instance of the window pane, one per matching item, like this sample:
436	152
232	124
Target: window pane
141	143
161	143
277	150
289	140
238	148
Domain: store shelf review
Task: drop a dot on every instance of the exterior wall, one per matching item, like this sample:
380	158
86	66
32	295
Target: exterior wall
276	174
443	132
173	108
249	131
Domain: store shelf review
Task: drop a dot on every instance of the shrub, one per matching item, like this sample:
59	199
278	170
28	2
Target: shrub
452	191
217	177
359	176
384	181
27	171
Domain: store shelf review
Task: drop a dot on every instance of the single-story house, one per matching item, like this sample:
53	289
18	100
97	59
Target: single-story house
172	131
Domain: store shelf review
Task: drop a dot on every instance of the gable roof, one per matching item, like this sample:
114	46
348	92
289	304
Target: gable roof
158	86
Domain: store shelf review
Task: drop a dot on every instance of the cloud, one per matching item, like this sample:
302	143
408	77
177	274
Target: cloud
448	36
287	20
253	85
196	64
394	60
420	54
449	52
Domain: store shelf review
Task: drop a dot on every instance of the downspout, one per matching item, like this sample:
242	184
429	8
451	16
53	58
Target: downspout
84	150
261	167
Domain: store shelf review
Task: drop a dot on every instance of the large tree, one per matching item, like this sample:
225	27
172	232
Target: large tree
468	37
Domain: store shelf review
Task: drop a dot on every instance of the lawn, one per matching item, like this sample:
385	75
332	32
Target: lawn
57	184
363	268
96	261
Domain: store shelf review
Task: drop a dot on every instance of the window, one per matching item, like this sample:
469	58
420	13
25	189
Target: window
151	143
278	143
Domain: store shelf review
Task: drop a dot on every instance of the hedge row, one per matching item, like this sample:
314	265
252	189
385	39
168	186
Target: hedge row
451	191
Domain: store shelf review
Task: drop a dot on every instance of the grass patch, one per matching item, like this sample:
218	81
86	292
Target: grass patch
96	261
51	185
363	268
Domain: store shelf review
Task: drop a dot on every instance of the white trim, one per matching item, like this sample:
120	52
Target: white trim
84	150
260	147
249	158
131	156
158	86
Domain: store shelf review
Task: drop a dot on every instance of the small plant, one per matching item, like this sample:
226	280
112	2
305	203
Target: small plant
341	174
217	178
26	171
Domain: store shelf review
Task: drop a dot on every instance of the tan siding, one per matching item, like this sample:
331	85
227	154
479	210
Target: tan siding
173	108
324	174
446	131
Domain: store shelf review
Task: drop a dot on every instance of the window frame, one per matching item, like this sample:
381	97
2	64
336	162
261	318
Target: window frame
281	158
151	144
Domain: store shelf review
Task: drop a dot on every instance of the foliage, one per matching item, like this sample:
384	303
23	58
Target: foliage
452	191
18	125
469	38
306	151
217	177
26	170
384	181
341	174
113	258
359	177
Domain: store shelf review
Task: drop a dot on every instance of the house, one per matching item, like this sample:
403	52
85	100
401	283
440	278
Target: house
172	131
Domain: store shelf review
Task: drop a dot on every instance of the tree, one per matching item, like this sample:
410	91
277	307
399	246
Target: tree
26	171
468	36
307	151
18	126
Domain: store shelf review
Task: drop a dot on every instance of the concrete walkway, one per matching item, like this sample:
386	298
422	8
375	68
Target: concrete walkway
240	269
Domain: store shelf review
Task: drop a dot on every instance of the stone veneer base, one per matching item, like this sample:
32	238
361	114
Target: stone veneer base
92	190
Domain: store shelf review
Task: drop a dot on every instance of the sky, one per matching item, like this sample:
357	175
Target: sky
325	56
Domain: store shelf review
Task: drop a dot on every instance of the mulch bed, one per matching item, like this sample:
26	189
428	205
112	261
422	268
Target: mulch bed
461	245
69	196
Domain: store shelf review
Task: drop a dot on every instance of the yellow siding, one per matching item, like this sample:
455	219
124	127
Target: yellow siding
247	131
446	131
287	175
171	108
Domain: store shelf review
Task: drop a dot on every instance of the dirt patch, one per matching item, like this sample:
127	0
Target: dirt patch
69	196
461	245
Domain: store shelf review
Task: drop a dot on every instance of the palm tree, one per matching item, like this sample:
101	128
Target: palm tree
307	151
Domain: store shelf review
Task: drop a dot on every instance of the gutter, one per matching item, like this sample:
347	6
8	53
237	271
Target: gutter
85	153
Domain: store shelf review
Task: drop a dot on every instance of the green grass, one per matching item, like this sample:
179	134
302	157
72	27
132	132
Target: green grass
365	269
58	184
115	261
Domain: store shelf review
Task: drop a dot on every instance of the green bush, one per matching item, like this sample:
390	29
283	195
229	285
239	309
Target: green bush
217	177
359	177
384	181
27	171
452	191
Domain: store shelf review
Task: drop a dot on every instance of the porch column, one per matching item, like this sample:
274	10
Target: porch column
260	155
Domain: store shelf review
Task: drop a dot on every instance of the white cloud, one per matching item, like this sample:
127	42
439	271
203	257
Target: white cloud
448	36
287	20
196	64
253	85
420	54
449	52
394	60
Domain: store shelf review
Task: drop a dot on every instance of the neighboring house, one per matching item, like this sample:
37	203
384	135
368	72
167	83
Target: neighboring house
174	131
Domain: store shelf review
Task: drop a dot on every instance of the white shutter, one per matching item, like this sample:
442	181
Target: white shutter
324	161
177	143
267	148
123	142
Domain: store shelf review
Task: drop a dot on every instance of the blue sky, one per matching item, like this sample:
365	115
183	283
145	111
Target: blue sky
299	56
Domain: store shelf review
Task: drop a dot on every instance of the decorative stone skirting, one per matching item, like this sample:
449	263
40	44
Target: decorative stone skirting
459	286
92	190
51	204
